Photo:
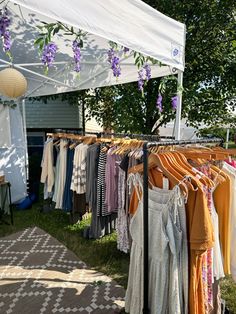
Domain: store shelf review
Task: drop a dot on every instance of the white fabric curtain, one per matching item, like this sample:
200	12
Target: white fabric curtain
5	131
13	158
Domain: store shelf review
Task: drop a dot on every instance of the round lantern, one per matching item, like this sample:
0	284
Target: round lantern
13	84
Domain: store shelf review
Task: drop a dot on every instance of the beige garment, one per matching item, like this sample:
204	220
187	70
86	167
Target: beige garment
61	173
164	289
231	171
47	174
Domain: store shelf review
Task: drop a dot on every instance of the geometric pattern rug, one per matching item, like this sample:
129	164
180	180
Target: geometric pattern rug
40	275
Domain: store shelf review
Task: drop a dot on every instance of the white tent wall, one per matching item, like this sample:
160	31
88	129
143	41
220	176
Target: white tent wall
13	158
185	132
5	130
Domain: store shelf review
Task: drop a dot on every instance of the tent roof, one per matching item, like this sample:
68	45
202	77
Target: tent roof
130	23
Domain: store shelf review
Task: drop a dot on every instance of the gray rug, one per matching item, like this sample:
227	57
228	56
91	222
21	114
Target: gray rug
40	275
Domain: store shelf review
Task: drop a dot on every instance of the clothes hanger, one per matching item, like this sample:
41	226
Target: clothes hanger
155	161
205	158
56	143
181	159
218	173
170	163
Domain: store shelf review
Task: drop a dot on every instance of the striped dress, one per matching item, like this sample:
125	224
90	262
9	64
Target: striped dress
78	181
102	209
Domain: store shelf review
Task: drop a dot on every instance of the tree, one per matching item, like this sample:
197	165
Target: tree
209	77
210	74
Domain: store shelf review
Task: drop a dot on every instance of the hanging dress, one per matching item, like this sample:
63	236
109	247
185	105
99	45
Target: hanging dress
164	286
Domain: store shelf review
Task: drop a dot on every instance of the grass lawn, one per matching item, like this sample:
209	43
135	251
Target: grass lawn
231	145
100	254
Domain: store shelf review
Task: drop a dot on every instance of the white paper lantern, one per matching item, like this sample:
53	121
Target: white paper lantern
13	84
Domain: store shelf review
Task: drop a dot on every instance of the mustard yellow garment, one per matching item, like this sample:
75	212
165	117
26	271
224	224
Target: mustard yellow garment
222	200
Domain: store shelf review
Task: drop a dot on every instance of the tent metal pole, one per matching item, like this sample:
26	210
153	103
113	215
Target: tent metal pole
25	136
179	106
227	138
83	116
145	231
39	63
44	82
37	74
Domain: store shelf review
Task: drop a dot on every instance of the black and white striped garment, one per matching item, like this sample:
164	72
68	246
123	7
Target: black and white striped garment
78	181
102	209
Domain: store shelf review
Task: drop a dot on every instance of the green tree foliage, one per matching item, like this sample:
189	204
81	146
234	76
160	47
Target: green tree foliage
209	78
210	74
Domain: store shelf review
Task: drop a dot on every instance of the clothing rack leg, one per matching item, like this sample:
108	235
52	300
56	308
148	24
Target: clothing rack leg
145	231
10	203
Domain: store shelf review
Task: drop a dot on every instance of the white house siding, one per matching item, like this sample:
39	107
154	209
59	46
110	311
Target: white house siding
53	114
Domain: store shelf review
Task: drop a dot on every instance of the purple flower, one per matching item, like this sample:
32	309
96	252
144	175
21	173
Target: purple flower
115	65
4	32
6	41
77	55
159	103
115	62
147	69
174	102
110	54
77	67
49	53
125	49
141	79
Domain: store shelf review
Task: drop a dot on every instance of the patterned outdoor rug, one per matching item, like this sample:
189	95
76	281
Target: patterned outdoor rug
40	275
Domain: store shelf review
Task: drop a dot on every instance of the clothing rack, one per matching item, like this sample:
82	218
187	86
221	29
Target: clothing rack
146	146
148	137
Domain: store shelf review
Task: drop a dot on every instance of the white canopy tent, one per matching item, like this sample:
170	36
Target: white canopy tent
130	23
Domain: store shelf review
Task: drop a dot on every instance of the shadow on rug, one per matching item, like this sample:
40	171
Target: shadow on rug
40	275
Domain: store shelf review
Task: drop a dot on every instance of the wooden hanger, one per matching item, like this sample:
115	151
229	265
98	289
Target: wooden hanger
181	159
155	161
169	162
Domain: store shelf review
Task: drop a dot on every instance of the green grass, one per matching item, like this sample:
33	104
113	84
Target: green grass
100	254
228	291
231	145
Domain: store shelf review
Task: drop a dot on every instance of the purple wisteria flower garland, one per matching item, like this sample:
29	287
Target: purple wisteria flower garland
144	75
174	102
4	31
162	90
77	55
159	103
48	55
49	48
113	57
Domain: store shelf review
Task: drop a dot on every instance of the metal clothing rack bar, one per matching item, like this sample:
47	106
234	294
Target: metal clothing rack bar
146	146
